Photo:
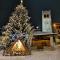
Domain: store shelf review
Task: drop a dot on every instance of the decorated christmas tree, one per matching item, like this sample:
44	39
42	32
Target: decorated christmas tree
18	28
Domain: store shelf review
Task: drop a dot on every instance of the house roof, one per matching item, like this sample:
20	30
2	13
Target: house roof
38	32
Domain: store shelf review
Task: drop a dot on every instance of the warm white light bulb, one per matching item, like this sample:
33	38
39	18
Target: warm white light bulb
21	1
37	27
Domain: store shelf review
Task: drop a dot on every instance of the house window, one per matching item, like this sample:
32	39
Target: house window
47	15
44	15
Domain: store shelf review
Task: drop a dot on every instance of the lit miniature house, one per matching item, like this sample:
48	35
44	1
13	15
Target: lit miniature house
17	48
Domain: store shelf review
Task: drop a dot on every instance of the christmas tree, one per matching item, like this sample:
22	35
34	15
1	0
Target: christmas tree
18	27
